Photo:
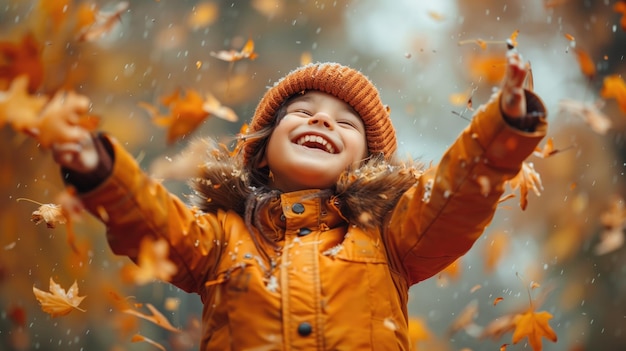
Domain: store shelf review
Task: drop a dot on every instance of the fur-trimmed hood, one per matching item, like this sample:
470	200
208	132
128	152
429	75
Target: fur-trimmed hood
363	195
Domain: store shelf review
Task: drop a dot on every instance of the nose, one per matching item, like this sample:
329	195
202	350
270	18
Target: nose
322	119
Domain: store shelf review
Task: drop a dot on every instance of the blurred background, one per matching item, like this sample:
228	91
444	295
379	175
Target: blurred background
433	62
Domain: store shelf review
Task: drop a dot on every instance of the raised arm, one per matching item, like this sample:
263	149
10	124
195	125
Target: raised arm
438	220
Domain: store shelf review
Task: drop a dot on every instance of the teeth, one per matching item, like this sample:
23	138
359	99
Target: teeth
316	139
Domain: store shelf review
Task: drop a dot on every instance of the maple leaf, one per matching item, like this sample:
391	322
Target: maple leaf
52	214
533	325
104	23
156	317
526	179
152	263
589	113
247	52
18	107
64	119
58	302
547	150
21	59
613	87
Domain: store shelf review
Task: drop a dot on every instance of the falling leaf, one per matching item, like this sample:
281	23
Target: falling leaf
72	210
58	302
187	112
306	58
152	263
18	107
497	300
23	59
547	150
141	338
156	317
526	179
215	108
569	37
105	22
52	214
533	325
247	52
587	66
64	119
498	327
495	250
465	319
437	16
589	113
614	87
614	223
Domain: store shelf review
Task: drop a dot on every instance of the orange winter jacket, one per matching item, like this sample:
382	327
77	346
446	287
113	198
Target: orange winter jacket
327	282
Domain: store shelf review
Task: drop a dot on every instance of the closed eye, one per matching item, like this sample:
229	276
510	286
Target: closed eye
347	123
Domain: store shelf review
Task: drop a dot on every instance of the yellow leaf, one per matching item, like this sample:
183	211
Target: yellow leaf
152	263
58	302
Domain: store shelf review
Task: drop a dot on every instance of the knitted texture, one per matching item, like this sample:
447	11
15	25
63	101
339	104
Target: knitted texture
340	81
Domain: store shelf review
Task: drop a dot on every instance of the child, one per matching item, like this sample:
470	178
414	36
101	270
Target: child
310	237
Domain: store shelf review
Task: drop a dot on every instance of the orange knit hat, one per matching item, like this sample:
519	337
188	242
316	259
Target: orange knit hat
340	81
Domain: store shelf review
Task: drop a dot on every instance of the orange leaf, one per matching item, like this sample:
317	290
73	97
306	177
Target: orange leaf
418	330
497	300
152	263
526	179
587	66
547	150
21	59
614	87
512	41
487	67
465	319
140	338
64	119
533	325
495	250
156	318
186	114
18	107
247	52
58	302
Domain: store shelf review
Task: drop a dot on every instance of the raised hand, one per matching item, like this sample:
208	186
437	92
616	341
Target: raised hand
513	102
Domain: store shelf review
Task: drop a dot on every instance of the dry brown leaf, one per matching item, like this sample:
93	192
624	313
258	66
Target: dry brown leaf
52	214
58	302
620	7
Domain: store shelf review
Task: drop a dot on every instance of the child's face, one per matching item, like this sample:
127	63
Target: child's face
318	139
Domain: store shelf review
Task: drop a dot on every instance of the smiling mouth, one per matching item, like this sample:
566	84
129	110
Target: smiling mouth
315	142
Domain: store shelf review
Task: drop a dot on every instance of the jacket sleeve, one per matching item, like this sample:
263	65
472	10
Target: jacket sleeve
439	219
134	206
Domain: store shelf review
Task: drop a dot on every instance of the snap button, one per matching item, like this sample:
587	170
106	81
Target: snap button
304	231
297	208
304	329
